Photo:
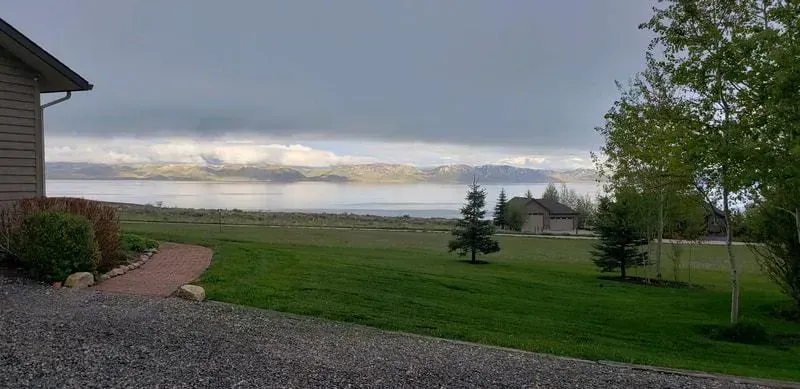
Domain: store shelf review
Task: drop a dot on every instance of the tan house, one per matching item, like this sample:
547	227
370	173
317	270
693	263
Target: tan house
26	72
545	215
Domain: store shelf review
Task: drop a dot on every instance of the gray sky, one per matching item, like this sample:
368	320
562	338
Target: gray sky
504	79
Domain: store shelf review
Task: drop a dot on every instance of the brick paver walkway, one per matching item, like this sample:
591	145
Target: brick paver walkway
172	266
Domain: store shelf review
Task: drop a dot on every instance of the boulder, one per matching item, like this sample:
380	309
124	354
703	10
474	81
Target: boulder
79	280
191	292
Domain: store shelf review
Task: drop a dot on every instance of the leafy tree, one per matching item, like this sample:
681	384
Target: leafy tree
773	112
500	210
643	148
550	192
472	233
586	209
515	217
619	245
528	194
711	52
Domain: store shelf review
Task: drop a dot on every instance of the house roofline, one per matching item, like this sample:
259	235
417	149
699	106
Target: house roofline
80	83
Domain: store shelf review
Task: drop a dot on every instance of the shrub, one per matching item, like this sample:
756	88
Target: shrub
136	243
787	312
102	217
777	246
53	245
744	331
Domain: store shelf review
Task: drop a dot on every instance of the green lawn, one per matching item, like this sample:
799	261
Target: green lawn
538	294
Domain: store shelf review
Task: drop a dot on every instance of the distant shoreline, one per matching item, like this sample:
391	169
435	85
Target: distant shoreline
318	181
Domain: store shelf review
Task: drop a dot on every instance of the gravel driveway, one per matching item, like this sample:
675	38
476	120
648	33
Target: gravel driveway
68	338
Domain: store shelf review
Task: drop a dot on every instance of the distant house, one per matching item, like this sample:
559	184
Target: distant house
715	221
27	71
544	215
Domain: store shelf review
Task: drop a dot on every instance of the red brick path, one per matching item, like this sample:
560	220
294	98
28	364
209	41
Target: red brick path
172	266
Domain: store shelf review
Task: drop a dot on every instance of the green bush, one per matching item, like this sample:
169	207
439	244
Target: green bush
742	332
136	243
102	217
52	245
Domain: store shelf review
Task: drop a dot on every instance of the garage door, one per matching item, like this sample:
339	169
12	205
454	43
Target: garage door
561	224
535	223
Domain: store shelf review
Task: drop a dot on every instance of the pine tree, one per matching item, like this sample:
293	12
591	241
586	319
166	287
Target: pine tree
550	193
500	210
620	243
528	194
472	233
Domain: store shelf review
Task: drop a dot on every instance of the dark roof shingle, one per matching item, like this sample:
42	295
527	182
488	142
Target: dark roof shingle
554	207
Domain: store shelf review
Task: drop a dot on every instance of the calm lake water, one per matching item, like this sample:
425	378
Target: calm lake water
419	200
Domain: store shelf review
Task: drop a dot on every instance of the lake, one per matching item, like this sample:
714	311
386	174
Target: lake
419	200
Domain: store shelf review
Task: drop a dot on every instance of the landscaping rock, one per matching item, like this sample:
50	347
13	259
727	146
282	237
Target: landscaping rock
79	280
144	257
116	272
103	277
56	284
191	292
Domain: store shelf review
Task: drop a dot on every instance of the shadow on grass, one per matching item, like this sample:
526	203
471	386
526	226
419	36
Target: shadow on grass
478	262
651	282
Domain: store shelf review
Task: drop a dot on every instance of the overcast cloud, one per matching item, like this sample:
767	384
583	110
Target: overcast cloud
497	80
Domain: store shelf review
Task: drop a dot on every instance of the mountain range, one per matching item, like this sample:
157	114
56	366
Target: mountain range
374	173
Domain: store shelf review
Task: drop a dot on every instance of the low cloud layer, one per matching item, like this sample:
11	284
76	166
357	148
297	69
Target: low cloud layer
181	150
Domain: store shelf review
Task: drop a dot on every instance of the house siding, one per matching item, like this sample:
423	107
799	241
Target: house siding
538	219
21	137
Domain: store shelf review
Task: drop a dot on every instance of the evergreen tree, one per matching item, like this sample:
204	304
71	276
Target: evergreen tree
500	210
472	233
550	192
620	243
528	194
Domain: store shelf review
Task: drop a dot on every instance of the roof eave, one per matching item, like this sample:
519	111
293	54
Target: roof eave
55	76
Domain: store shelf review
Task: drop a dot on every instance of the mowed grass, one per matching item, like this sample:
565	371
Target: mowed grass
538	294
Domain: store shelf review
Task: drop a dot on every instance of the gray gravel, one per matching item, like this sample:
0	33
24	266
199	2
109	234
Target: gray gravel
68	338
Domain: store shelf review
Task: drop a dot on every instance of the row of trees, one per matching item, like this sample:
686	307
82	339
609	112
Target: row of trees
715	118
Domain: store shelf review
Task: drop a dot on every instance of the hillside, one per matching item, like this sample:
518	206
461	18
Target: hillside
373	173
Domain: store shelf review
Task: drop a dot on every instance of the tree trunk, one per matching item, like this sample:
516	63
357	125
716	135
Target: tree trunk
797	222
731	258
660	233
473	255
622	270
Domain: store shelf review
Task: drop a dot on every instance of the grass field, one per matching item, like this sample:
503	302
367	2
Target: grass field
538	294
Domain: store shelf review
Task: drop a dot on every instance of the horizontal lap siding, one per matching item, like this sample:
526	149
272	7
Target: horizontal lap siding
19	170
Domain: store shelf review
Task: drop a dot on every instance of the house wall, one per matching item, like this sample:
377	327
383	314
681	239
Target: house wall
538	219
21	137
